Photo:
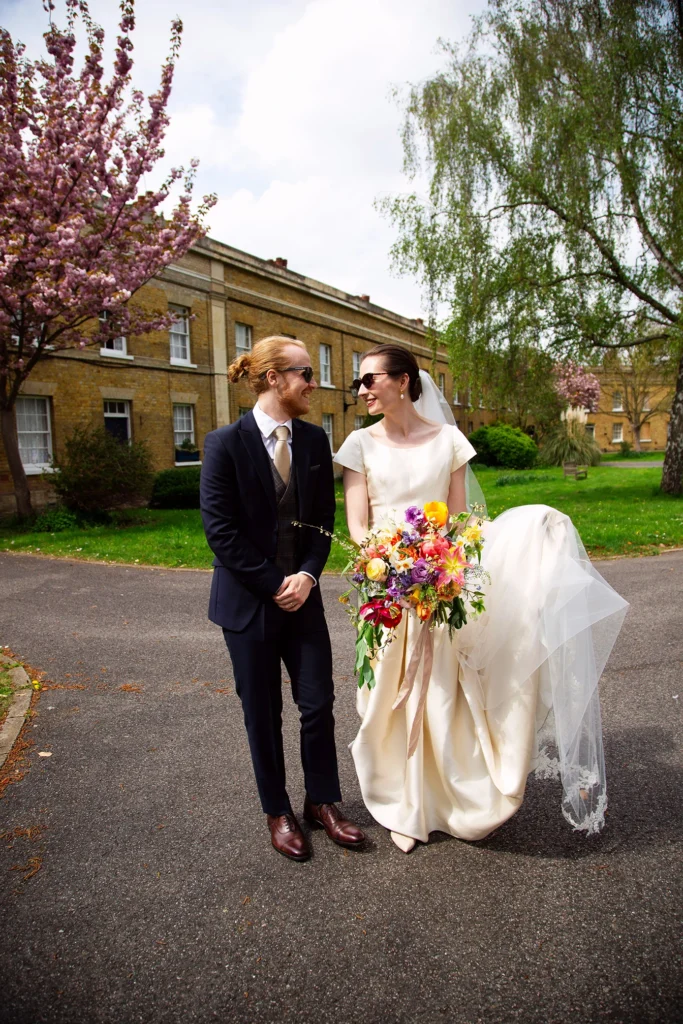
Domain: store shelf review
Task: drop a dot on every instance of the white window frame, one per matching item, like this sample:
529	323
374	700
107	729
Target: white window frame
119	348
189	433
184	313
120	415
328	427
456	397
590	430
617	433
244	344
442	383
646	404
325	358
617	402
34	468
356	360
358	422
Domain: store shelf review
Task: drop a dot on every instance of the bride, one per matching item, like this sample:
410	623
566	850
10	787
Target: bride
515	690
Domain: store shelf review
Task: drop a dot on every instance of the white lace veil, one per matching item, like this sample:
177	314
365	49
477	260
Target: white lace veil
432	405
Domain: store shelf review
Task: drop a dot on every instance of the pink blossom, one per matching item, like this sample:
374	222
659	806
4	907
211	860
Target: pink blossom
576	386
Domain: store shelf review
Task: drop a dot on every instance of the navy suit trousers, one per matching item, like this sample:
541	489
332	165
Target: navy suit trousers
301	640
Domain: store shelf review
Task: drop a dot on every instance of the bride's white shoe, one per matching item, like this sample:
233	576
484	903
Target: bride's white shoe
405	843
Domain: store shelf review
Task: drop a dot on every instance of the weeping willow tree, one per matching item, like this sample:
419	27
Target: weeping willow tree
552	144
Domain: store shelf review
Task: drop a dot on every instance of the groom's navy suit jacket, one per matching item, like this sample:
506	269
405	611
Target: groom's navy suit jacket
239	513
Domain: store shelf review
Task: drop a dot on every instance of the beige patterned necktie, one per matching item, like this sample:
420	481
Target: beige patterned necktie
281	458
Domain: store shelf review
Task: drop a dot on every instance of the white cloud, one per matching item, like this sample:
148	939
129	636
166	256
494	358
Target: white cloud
287	105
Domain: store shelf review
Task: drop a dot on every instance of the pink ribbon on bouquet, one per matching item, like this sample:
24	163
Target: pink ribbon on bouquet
423	645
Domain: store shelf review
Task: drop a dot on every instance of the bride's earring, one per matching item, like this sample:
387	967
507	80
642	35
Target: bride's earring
403	395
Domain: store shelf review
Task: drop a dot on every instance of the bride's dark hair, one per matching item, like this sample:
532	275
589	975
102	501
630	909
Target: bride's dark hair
397	361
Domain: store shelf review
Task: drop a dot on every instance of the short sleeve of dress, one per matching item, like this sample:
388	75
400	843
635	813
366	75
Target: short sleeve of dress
350	454
462	450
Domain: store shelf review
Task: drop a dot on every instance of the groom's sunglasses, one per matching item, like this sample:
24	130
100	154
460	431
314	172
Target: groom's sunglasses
367	380
305	371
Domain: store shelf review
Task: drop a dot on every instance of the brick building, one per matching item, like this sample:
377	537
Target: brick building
170	388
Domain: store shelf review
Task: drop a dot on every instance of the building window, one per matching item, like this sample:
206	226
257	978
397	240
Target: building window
326	365
590	430
34	432
481	401
180	336
470	426
242	411
358	422
117	419
617	433
183	424
617	402
113	346
646	403
357	359
242	338
328	426
456	397
442	383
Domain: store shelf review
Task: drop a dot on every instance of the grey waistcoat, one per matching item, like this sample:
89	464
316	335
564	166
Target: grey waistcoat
288	536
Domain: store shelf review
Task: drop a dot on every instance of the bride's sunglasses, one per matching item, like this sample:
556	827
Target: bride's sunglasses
367	380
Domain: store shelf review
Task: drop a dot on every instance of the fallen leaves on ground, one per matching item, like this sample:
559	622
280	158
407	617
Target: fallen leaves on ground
130	688
30	868
30	833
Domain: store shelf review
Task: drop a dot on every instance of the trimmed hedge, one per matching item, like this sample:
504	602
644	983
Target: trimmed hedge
176	488
504	446
97	472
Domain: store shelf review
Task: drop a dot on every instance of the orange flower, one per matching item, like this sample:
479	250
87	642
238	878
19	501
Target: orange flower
436	513
423	611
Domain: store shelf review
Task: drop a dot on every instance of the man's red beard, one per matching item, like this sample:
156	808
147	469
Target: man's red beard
293	402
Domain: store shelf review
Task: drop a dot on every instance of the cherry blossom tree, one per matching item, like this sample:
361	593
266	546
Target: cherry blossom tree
576	386
78	235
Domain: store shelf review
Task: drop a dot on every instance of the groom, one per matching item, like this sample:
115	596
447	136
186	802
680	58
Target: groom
258	476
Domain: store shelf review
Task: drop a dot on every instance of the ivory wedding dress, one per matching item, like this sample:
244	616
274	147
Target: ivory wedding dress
514	691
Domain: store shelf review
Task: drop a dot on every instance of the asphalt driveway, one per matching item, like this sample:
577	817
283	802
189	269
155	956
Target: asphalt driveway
137	882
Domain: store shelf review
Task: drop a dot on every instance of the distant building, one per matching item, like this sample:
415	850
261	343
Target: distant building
171	388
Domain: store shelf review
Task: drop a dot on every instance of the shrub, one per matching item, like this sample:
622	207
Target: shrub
502	445
570	443
98	472
176	488
510	479
626	449
55	520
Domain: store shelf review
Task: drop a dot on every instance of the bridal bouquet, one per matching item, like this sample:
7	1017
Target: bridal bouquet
427	563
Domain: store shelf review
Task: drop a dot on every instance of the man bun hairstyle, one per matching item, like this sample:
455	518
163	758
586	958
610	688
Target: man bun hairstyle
397	361
267	354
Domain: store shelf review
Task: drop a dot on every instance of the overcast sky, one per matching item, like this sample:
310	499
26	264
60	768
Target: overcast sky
287	105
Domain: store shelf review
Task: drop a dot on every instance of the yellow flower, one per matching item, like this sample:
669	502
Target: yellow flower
436	513
343	599
472	535
376	570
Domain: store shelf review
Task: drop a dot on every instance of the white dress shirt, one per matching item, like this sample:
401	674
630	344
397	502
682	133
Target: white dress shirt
267	425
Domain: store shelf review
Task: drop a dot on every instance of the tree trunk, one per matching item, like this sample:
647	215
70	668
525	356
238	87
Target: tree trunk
636	437
672	475
16	468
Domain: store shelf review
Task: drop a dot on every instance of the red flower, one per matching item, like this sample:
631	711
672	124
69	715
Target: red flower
380	614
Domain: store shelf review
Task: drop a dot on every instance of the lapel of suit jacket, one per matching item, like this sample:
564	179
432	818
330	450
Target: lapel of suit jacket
301	460
253	442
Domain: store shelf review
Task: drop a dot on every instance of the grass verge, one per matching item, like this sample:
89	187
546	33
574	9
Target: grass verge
616	511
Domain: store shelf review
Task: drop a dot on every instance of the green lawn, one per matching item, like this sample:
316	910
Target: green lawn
617	511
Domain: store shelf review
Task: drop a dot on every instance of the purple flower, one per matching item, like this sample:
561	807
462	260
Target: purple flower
398	584
358	577
421	572
410	536
415	516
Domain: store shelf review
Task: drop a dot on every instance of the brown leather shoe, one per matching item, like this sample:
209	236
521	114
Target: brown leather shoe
287	837
329	817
